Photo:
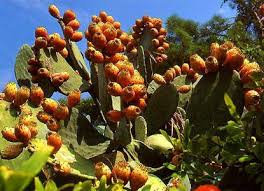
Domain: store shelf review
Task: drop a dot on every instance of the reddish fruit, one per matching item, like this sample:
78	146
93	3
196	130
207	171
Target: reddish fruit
163	31
57	80
215	50
158	59
223	50
184	89
87	35
64	53
103	15
41	32
33	70
124	38
185	68
247	69
99	40
102	169
114	116
261	10
177	70
43	73
22	95
128	94
160	49
154	32
117	25
59	44
234	59
125	65
54	140
119	32
117	57
169	75
68	32
68	16
54	11
140	90
9	134
159	79
53	124
195	77
74	24
22	133
149	25
131	112
139	23
97	57
166	45
110	19
77	36
146	19
40	42
252	98
74	98
51	39
138	178
161	39
211	64
157	23
36	95
49	105
94	28
111	71
122	171
124	78
141	103
10	91
43	117
191	73
114	46
33	129
155	42
89	53
62	112
164	57
33	62
114	89
110	33
96	19
197	64
207	187
137	78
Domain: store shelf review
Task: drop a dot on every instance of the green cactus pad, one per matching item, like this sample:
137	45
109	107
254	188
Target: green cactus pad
141	129
207	108
162	104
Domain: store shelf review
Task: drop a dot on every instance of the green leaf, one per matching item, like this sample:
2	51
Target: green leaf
153	184
140	128
162	105
38	184
23	77
51	186
231	107
159	142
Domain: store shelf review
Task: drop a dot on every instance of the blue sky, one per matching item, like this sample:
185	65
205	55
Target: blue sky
19	18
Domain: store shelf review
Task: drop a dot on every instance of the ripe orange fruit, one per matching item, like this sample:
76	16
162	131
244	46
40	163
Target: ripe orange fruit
9	134
97	57
131	112
49	105
36	95
141	103
159	79
54	11
128	94
117	25
40	42
114	89
111	71
177	70
54	140
62	112
155	42
114	116
59	44
22	95
74	98
68	16
184	89
122	171
215	50
102	169
234	59
68	32
211	64
64	53
110	33
43	73
110	19
103	15
197	64
169	75
43	117
185	68
137	78
154	32
139	23
138	178
117	57
124	78
10	91
125	65
41	32
252	98
77	36
207	187
53	124
22	133
74	24
99	40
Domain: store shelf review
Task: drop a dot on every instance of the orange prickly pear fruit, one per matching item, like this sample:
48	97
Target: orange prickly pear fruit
64	53
23	133
103	15
117	25
33	62
68	32
53	124
33	70
97	57
128	94
102	169
10	91
110	19
96	19
36	95
76	36
74	24
141	103
54	11
138	178
110	33
43	116
111	71
22	95
99	40
184	89
33	129
164	57
114	116
137	78
68	16
9	134
195	77
177	70
41	32
41	42
191	73
117	57
146	19
51	39
124	38
161	39
252	98
211	64
160	49
223	50
59	44
54	140
114	89
159	79
154	32
197	64
169	75
139	23
247	69
49	105
43	73
122	171
62	112
74	98
94	28
57	80
125	65
185	68
155	42
158	59
234	59
124	78
131	112
140	90
114	46
162	31
215	50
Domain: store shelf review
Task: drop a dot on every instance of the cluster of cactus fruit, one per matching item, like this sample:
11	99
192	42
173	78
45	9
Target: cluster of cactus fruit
122	173
111	52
